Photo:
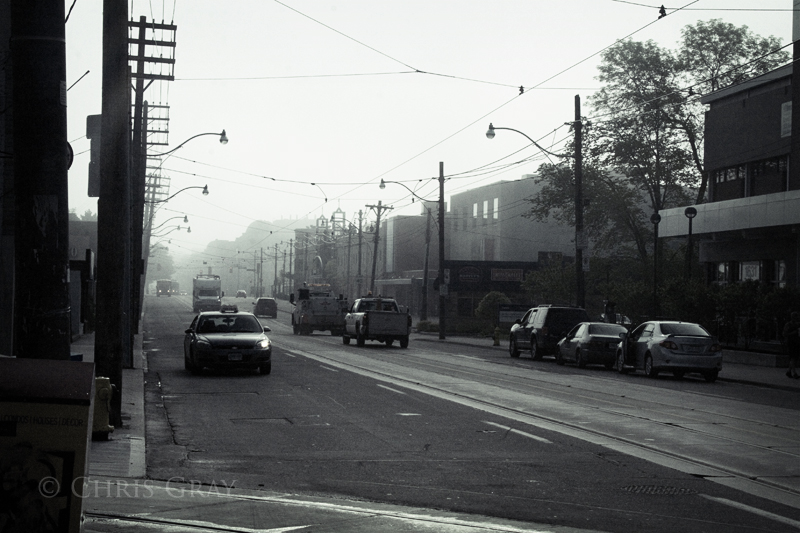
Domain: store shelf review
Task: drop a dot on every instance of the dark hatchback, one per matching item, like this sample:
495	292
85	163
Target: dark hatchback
591	343
227	339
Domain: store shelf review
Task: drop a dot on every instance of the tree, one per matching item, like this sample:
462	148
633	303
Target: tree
643	152
488	307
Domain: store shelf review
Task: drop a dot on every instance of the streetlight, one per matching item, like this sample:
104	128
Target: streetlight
655	218
204	187
442	286
176	228
185	220
690	213
223	139
580	239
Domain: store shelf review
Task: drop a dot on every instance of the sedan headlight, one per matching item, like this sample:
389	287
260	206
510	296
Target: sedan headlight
263	344
202	344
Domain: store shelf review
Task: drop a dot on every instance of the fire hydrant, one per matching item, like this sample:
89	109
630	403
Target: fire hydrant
497	336
102	408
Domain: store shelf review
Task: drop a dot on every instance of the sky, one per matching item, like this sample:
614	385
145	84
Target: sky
321	99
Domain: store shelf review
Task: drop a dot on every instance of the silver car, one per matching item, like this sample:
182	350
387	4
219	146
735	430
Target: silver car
670	346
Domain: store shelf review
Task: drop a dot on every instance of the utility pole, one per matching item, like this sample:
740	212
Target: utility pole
283	274
41	219
360	240
291	282
261	275
580	238
442	284
349	253
423	313
379	209
113	207
275	290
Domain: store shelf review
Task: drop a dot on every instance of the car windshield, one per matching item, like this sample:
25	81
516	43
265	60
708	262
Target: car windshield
373	306
606	329
693	330
229	324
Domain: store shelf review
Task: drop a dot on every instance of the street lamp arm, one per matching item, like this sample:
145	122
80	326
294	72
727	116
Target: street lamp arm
223	139
383	186
205	193
492	128
185	219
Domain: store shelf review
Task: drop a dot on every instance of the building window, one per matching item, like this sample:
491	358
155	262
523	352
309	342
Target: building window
496	211
750	271
475	210
486	209
466	307
780	273
722	273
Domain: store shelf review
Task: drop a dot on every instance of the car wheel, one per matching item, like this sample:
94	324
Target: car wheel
621	363
678	374
389	342
536	353
559	358
404	342
265	368
193	367
345	339
186	364
513	350
359	336
649	369
579	360
711	375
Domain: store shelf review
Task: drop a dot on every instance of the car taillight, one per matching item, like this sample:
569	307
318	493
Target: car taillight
668	344
715	348
544	330
365	320
409	320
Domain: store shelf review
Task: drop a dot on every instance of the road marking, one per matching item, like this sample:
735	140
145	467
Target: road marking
391	389
518	432
328	368
754	510
409	414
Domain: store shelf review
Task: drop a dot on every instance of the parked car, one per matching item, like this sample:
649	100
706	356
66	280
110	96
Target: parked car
670	346
590	343
241	294
542	327
227	339
266	307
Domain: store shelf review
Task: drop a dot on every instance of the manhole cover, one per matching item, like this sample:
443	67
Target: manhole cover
658	490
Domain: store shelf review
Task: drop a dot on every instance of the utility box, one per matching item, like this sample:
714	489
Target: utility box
45	431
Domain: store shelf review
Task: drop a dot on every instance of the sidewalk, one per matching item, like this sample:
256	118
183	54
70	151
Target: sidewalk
119	496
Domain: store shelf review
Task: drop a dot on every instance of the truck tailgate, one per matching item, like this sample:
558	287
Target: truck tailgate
387	323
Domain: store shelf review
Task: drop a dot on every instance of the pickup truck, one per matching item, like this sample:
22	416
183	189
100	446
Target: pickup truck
377	319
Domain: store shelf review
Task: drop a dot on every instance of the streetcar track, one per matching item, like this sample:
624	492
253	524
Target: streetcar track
602	396
724	471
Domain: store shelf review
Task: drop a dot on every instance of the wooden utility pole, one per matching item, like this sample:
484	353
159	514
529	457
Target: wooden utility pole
360	241
291	283
112	337
443	288
580	237
423	313
275	290
41	219
379	209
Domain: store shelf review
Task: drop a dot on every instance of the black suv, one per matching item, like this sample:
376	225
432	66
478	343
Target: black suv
542	327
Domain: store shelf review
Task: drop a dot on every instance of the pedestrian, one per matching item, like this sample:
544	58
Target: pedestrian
791	332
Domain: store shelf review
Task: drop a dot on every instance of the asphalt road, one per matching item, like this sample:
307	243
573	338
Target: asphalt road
471	430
